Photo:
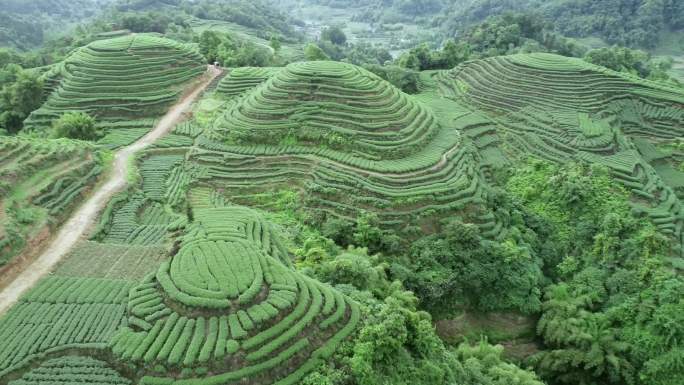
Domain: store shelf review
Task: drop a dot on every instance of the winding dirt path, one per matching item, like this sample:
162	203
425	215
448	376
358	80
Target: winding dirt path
82	220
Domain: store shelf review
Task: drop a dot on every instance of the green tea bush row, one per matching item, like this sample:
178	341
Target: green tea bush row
155	170
225	253
132	76
340	105
72	370
60	313
240	80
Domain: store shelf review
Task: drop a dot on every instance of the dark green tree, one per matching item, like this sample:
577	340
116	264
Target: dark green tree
76	125
334	35
454	53
276	44
312	52
232	52
405	79
21	94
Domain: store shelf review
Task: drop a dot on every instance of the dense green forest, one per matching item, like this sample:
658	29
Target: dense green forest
362	192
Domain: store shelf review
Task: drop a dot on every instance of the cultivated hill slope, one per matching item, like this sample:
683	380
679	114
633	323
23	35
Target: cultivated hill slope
226	307
564	109
339	105
242	79
124	82
225	302
351	141
40	183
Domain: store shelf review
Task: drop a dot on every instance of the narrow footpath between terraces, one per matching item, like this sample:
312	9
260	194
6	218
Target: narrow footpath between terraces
85	216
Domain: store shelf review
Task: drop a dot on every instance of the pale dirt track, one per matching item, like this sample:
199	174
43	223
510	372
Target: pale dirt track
83	219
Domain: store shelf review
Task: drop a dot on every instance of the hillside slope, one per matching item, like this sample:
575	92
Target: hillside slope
124	82
41	181
351	142
563	110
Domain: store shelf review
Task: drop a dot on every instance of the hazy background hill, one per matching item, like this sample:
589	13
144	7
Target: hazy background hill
634	23
28	24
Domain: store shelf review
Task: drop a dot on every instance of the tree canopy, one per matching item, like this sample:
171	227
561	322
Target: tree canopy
76	125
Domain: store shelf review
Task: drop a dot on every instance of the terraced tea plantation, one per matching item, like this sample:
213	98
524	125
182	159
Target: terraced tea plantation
41	182
227	307
350	140
125	83
175	286
226	303
339	106
243	79
564	109
181	282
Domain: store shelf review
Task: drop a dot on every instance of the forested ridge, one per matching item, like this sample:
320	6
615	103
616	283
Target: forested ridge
379	192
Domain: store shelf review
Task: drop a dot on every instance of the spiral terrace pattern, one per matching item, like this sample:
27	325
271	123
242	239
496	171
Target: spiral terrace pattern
72	370
564	109
224	302
120	80
341	105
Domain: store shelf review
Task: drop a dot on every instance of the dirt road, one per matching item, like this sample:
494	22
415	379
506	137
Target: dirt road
83	219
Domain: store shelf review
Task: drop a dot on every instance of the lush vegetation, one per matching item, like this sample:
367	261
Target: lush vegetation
631	61
75	125
21	91
513	33
224	49
41	181
602	285
134	80
499	205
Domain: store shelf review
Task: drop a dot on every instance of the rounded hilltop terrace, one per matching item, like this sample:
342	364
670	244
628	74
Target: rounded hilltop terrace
129	77
331	104
226	308
561	108
351	141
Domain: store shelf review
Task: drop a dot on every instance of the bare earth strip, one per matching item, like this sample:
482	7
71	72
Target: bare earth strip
82	220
